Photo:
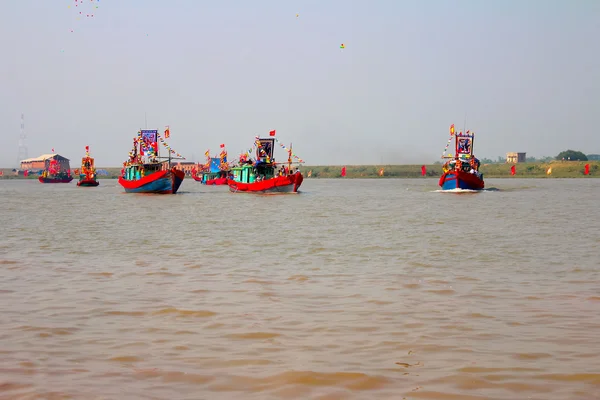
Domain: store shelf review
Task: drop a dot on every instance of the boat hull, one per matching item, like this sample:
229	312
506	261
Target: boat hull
88	183
160	182
453	180
280	184
216	181
55	180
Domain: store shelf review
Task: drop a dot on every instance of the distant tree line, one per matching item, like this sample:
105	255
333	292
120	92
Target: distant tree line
567	155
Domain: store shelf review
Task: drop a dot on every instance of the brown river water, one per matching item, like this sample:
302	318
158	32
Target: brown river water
353	289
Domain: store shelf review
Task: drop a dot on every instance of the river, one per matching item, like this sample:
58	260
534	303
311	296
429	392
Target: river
353	289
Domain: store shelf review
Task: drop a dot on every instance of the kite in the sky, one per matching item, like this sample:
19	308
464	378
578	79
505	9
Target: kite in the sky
342	46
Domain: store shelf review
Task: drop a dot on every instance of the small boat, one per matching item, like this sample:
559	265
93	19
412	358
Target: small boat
215	171
144	173
54	173
462	170
263	175
87	174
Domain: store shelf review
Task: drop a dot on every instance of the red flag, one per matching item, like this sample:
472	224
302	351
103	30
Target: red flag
26	173
423	170
586	169
222	145
272	133
513	170
53	149
167	133
343	171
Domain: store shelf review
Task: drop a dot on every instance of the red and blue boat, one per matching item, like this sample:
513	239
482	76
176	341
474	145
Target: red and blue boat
215	171
144	173
461	171
264	175
87	174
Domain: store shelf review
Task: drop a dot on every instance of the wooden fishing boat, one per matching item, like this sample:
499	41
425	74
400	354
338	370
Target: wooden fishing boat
54	173
461	171
87	174
144	173
59	178
264	175
215	171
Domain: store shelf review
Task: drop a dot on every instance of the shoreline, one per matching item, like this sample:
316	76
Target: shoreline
560	169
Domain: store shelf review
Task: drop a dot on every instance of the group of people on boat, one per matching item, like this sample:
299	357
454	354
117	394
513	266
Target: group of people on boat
471	166
285	171
59	174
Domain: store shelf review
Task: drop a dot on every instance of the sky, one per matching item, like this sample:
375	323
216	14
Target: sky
524	74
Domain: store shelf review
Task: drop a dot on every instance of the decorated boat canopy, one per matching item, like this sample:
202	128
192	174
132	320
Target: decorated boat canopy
146	144
216	164
264	151
463	144
87	164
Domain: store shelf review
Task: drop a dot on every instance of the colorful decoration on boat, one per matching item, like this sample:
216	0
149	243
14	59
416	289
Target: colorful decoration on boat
148	145
87	177
462	170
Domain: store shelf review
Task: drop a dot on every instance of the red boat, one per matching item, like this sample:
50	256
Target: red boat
214	171
278	184
87	175
47	179
217	181
462	170
55	174
262	175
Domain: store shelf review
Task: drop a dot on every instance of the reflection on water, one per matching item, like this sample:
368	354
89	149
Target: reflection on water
374	289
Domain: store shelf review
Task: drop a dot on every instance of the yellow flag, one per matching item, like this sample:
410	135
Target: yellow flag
549	171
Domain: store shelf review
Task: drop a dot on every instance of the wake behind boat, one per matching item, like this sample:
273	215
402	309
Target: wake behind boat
144	173
462	170
263	175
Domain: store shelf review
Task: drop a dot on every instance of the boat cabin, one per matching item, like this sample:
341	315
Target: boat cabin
135	172
216	167
248	173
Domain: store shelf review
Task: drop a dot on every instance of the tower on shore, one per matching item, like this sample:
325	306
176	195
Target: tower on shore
22	147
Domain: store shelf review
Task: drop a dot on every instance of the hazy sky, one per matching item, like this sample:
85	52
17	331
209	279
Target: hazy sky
525	72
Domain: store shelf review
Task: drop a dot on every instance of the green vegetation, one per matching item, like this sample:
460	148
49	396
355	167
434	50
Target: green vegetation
560	169
571	155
